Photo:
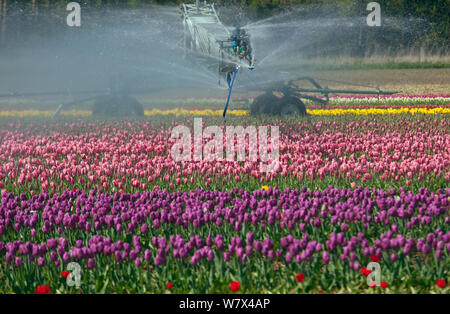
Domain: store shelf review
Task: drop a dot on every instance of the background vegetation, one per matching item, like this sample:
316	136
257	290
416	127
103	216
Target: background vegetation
413	26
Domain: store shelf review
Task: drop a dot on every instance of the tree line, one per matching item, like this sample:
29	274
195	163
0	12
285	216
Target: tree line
407	23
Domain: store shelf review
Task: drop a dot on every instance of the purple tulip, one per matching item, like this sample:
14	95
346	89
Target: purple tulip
138	262
210	256
144	229
66	257
18	262
394	228
394	257
90	263
325	257
227	256
41	261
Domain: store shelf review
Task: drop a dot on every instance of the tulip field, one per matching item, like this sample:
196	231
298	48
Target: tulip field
354	185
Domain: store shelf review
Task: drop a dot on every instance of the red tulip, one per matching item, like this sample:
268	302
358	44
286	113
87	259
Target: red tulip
384	284
235	286
42	289
365	272
169	285
375	258
441	283
300	277
65	274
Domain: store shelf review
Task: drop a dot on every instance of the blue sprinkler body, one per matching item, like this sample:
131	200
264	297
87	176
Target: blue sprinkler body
229	92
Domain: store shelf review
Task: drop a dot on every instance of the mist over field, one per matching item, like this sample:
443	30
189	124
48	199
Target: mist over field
130	49
125	48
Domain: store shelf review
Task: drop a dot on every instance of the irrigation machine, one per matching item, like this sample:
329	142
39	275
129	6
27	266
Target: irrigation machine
225	48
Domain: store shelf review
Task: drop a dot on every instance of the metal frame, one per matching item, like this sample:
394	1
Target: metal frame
209	37
290	89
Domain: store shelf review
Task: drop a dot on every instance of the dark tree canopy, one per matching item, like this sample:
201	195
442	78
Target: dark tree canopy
31	19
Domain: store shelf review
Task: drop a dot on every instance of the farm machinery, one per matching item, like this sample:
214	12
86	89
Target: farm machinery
114	102
213	42
290	102
221	48
217	46
205	38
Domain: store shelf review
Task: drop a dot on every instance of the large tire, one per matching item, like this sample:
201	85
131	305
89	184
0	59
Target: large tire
266	103
291	105
117	106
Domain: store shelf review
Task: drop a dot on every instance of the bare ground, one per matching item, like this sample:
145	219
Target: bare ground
410	81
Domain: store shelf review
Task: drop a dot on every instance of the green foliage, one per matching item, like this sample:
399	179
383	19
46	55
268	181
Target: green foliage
413	23
410	274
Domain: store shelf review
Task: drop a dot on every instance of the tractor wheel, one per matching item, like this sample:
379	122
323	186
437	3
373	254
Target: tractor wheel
100	106
117	106
291	105
136	107
266	103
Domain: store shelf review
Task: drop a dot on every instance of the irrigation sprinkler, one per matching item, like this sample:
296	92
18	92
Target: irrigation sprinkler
213	42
